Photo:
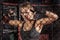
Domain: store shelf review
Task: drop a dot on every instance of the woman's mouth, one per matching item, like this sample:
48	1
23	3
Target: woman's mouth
29	17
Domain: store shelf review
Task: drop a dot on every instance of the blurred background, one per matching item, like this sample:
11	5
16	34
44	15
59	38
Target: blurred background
51	32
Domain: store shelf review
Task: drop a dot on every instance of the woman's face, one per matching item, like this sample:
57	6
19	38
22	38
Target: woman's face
27	13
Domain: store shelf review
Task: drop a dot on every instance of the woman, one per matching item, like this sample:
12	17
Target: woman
31	28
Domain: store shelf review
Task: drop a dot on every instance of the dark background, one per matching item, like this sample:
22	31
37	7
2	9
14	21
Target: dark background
53	29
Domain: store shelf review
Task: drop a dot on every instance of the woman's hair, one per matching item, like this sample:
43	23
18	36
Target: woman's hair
25	4
28	5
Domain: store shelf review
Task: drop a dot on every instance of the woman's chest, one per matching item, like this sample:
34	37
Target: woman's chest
27	26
